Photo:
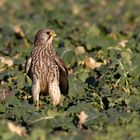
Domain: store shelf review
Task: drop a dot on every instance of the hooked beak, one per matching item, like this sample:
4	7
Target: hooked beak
53	34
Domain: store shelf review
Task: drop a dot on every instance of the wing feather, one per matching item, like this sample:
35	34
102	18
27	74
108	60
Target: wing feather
28	65
63	81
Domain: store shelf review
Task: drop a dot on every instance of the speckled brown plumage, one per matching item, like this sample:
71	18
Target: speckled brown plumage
45	68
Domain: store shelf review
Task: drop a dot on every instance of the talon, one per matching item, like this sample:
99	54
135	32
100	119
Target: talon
38	105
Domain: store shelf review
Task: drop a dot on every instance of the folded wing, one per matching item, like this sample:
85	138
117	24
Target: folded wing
63	81
28	65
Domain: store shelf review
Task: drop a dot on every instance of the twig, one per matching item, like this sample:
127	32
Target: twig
65	52
125	75
43	118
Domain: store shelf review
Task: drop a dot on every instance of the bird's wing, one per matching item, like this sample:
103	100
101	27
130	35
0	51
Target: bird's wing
27	65
63	81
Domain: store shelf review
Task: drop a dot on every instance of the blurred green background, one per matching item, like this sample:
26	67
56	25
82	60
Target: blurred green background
106	31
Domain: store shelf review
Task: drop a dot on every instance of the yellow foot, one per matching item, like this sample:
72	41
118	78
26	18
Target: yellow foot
38	105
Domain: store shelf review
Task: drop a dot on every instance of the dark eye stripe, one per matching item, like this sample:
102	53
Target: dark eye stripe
48	33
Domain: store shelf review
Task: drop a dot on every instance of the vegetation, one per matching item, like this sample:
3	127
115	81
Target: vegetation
99	42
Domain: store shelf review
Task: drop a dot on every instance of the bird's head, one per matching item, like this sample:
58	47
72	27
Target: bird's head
44	36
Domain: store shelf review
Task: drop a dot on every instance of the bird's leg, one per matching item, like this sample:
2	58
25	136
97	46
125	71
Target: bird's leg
54	92
37	105
35	93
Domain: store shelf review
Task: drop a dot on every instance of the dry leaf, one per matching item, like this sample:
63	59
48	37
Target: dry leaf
80	50
76	9
7	61
123	43
82	118
87	24
17	29
103	2
2	2
91	63
4	94
2	69
17	129
16	56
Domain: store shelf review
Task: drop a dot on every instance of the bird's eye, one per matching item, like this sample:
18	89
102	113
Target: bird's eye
48	33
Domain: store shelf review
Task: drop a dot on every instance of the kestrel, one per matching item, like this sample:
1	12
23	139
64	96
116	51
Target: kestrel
46	69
